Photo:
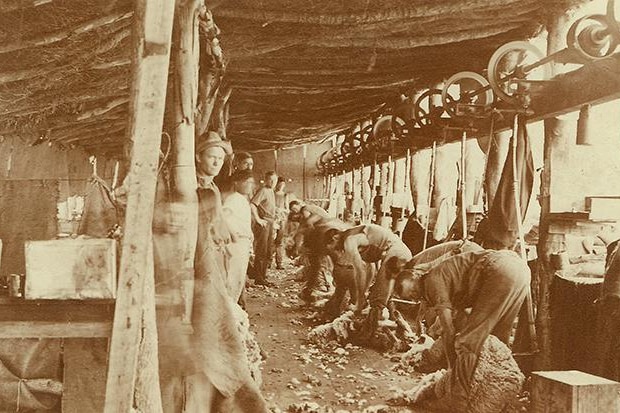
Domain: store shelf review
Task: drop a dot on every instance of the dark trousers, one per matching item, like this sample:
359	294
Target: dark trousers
263	250
280	246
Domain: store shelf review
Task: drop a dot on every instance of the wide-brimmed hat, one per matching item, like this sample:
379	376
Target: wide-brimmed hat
210	139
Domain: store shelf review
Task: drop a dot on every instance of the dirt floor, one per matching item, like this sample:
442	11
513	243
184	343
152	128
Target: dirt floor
300	377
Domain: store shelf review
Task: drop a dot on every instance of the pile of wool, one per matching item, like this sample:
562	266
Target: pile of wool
495	386
368	329
423	390
338	330
414	357
252	348
311	407
308	407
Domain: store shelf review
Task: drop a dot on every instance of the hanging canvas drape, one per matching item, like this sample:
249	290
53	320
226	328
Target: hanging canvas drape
499	229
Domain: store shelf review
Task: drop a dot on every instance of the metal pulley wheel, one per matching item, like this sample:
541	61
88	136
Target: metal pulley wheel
466	93
399	126
382	128
512	66
326	159
387	128
366	136
592	37
426	111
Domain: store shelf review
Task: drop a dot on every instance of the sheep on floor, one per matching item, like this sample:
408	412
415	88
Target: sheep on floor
495	386
338	330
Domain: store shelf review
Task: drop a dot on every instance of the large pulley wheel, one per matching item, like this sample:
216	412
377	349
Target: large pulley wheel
426	111
464	92
511	66
592	37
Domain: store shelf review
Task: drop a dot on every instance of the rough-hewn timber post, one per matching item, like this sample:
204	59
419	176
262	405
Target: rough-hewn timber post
183	168
553	143
153	20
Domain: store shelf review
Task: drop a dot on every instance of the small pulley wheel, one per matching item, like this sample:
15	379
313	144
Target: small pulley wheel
388	128
592	37
466	88
512	65
398	126
366	136
426	111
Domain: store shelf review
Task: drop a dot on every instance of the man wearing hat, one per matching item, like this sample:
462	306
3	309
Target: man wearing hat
211	151
218	348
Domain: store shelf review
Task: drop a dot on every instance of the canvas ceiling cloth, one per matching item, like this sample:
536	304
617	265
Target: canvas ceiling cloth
300	70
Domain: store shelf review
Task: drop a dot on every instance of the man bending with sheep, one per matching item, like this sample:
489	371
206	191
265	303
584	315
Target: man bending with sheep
368	244
493	284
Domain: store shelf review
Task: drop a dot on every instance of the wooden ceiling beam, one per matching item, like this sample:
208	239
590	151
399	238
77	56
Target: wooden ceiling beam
595	83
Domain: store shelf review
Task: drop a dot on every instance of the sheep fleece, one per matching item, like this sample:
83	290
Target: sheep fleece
495	385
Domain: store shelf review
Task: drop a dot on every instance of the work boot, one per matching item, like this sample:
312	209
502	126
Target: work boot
264	282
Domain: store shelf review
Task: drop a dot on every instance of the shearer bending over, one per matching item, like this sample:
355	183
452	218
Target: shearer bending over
313	222
492	283
370	243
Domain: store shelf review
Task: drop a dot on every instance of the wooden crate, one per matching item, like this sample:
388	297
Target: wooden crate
573	392
70	269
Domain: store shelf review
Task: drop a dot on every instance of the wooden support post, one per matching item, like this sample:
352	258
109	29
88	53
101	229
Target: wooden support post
462	187
303	173
407	187
186	58
431	188
147	396
153	24
555	139
183	168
